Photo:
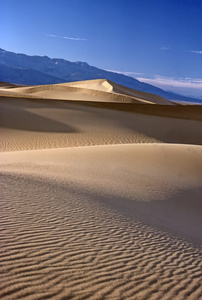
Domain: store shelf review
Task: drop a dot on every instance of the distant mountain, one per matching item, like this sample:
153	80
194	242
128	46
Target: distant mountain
38	70
26	76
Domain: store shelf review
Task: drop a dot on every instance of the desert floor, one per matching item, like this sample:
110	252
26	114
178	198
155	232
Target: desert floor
101	194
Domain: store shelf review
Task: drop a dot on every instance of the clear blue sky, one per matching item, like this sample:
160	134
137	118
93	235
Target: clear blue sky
160	39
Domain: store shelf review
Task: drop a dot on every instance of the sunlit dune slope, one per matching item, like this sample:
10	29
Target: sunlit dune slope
93	90
109	86
150	172
75	220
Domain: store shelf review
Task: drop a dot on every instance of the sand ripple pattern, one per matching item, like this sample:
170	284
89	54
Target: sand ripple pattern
104	222
31	141
58	243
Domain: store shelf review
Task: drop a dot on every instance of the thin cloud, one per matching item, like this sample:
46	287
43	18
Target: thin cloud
66	37
190	87
125	73
196	51
195	83
165	48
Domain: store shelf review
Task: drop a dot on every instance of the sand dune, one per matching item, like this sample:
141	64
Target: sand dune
6	85
109	86
108	222
134	172
100	195
93	90
26	124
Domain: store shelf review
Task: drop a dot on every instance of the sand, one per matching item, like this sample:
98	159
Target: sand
99	199
94	90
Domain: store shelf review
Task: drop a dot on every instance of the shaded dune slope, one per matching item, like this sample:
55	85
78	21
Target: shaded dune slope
37	124
5	85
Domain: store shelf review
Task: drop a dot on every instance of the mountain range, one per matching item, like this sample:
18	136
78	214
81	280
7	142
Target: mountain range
38	70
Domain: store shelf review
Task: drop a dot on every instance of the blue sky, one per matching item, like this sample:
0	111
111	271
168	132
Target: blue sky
157	41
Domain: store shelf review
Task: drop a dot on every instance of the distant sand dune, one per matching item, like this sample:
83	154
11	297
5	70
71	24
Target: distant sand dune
94	90
109	86
9	85
100	194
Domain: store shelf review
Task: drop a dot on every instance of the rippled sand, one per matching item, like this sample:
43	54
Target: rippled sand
99	200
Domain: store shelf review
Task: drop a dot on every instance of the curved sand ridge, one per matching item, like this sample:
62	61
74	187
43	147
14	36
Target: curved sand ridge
92	90
109	86
104	222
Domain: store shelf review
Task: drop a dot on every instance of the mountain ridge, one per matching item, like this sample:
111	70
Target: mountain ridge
20	68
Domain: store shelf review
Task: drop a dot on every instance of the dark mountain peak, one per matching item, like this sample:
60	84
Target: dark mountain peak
81	63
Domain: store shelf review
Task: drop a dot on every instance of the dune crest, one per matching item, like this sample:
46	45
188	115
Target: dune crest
91	90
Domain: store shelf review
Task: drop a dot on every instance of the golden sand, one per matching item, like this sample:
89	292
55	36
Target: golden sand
99	199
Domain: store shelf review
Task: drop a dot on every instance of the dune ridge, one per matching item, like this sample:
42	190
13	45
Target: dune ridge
94	90
109	86
100	199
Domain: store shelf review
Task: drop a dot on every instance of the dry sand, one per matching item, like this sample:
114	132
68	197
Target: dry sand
99	200
94	90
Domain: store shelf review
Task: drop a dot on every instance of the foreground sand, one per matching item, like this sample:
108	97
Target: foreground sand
84	219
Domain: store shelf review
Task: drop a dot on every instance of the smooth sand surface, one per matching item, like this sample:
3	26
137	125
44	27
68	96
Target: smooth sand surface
93	90
37	124
99	200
